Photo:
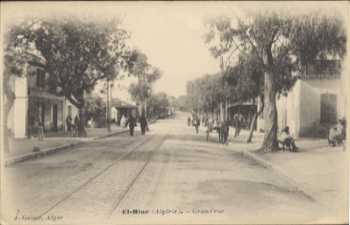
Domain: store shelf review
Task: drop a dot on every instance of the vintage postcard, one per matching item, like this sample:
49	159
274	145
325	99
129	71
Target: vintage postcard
140	112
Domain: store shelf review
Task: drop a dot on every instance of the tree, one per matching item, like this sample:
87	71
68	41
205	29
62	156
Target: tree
77	54
146	74
280	43
247	82
207	92
96	109
158	104
182	103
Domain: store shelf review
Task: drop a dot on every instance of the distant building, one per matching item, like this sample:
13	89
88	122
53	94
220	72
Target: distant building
121	108
315	102
35	103
247	109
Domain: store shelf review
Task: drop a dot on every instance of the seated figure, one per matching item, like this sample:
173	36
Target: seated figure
336	135
286	140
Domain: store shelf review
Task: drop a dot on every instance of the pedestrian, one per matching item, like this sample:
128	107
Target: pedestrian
41	131
69	124
143	124
189	121
123	121
132	124
219	129
76	125
209	129
223	131
196	123
238	123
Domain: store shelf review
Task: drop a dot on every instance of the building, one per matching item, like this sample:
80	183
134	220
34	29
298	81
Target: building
121	108
316	101
247	109
35	103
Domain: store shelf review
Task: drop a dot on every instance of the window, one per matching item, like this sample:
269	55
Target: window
328	108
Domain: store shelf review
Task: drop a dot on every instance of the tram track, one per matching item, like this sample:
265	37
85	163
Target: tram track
126	191
134	149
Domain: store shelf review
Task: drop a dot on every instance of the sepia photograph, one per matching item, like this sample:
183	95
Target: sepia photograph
174	112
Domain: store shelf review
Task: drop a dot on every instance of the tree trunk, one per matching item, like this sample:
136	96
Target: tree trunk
257	114
270	113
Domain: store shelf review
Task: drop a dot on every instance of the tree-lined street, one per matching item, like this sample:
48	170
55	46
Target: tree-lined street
175	114
171	170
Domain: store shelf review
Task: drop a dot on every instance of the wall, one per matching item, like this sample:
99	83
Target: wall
301	109
310	108
288	110
333	87
19	109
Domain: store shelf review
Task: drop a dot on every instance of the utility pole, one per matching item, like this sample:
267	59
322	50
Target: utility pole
108	110
222	102
142	82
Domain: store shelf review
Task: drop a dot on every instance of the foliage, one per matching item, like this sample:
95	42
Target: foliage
182	103
158	104
205	93
279	44
95	108
76	54
146	74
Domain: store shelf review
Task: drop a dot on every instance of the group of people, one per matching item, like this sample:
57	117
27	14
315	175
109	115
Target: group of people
131	122
222	127
72	126
337	133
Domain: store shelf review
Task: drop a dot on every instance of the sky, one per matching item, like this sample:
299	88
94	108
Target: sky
173	41
169	33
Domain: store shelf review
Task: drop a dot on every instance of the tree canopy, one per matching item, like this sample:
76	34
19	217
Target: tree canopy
280	45
76	54
146	74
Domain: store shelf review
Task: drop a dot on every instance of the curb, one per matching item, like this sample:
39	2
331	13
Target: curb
52	150
295	187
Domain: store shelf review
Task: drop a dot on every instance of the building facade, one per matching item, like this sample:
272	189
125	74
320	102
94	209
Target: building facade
316	101
35	104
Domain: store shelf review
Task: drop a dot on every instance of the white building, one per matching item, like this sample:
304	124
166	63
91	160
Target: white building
35	103
316	101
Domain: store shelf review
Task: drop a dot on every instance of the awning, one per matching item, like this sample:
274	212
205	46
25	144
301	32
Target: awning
119	104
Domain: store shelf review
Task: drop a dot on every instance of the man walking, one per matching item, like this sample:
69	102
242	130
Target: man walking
143	124
189	121
76	125
132	123
225	132
196	124
69	121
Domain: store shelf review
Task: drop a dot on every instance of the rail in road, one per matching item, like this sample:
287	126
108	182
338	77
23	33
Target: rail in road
133	181
139	146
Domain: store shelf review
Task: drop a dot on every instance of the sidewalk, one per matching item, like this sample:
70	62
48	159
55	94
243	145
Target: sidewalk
319	170
22	149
